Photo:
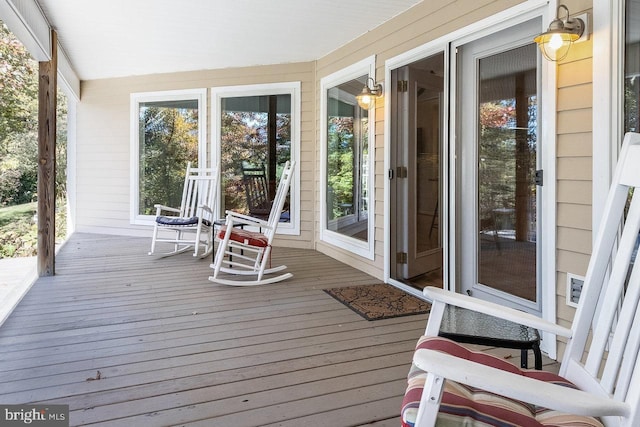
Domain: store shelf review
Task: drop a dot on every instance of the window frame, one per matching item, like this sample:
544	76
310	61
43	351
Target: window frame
359	247
284	88
199	95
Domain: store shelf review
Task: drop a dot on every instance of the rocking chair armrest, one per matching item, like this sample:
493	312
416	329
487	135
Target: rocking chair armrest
246	219
437	295
160	208
545	394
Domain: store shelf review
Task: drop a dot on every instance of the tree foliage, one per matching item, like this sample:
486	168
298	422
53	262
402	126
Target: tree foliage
340	151
500	156
18	87
631	108
18	121
169	140
19	125
19	150
244	140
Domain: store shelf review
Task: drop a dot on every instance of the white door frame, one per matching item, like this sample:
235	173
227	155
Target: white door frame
512	16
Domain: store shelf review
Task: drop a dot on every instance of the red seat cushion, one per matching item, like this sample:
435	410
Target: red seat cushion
246	237
468	406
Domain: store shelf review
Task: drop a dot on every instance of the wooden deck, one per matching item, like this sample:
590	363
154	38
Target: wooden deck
172	348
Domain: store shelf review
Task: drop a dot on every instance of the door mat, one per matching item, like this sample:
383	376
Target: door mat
379	301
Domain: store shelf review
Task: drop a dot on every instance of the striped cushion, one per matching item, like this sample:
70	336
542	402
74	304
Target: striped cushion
247	237
468	406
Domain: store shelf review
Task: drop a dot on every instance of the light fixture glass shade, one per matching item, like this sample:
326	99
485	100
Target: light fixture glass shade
555	45
367	98
556	41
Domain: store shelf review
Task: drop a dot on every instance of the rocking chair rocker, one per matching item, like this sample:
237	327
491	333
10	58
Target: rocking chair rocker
191	225
599	378
253	248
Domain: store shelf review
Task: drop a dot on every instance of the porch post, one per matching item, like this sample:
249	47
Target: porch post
47	84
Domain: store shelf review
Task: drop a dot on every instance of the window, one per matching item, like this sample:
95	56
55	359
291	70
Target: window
346	183
631	119
632	66
256	131
168	129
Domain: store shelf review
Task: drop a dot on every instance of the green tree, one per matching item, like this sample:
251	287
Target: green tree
340	173
19	147
244	139
19	125
169	141
18	121
18	87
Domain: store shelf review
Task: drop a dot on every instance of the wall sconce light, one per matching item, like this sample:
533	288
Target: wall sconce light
367	98
556	41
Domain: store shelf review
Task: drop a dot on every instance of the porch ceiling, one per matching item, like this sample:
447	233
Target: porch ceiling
116	38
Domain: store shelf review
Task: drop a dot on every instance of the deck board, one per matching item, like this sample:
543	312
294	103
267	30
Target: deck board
173	348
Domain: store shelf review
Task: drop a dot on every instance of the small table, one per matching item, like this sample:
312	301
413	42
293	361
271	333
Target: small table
466	326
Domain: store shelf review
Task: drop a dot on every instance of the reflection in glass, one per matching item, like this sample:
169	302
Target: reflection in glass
507	138
347	161
427	197
632	67
255	140
632	78
168	140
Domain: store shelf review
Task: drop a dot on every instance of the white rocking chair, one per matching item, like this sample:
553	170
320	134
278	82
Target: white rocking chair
599	379
253	246
191	225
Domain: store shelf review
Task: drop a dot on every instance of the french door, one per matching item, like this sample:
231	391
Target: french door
498	184
418	105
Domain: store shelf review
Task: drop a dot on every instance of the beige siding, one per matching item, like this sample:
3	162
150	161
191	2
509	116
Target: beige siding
576	192
574	167
103	148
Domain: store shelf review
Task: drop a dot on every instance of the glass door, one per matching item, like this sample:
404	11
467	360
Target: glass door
499	180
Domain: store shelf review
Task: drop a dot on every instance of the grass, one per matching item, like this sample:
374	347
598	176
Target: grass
19	231
10	214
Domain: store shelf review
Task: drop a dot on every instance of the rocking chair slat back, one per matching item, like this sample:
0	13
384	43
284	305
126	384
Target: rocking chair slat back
617	316
254	180
199	190
282	192
190	225
608	305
